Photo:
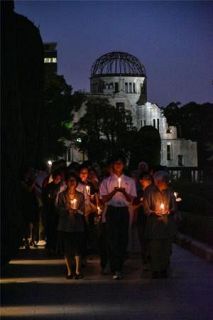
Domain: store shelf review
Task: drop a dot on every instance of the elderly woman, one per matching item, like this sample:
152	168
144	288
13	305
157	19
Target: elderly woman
71	226
160	208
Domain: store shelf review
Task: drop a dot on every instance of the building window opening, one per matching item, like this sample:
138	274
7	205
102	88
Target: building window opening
120	105
126	87
180	160
144	123
134	88
130	87
69	155
154	124
116	86
50	60
158	124
169	152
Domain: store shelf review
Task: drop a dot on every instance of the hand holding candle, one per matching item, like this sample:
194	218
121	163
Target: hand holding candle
162	209
98	210
88	190
73	204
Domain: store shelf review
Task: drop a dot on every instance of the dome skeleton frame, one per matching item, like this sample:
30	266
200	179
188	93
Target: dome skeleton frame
117	63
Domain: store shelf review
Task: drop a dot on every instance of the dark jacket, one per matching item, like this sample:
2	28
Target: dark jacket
68	220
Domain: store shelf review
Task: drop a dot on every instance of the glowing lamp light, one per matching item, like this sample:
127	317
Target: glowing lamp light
119	182
49	162
178	199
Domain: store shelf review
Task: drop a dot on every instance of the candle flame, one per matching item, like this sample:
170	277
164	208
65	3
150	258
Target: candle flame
74	203
88	189
162	207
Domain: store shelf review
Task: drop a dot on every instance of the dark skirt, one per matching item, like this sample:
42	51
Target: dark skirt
70	243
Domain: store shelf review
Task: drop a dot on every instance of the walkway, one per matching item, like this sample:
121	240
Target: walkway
35	288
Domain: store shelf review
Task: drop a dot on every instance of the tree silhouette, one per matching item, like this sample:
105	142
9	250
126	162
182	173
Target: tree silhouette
103	130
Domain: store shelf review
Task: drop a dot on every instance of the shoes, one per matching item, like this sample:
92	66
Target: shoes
79	276
106	270
117	276
146	267
164	274
160	275
69	276
33	244
155	275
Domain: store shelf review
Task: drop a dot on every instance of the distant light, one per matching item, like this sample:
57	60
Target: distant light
49	162
50	60
78	140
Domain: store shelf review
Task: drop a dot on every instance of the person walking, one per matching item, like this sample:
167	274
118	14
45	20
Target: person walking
160	207
71	225
117	192
145	180
49	195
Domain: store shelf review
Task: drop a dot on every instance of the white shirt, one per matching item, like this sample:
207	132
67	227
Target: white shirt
110	183
82	188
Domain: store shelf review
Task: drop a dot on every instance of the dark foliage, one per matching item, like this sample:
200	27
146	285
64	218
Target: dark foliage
21	92
194	121
146	146
56	116
103	130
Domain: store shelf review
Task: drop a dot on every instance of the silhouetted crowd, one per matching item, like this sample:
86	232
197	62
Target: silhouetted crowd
81	210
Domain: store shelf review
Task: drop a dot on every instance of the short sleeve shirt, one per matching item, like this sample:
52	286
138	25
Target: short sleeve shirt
118	200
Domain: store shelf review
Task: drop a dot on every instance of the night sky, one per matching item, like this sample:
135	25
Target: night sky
174	40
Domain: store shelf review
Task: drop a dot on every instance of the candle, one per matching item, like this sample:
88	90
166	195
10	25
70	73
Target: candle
162	208
74	204
88	190
99	210
119	182
178	199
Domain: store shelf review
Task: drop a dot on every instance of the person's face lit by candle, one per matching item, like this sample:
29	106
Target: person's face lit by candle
84	173
57	179
118	167
71	184
145	181
161	185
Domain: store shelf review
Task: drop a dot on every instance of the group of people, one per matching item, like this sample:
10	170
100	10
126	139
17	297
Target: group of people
84	212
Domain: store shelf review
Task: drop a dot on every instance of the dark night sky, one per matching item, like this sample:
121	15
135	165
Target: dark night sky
174	40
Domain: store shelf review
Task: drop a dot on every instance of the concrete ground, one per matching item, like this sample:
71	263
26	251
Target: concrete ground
34	287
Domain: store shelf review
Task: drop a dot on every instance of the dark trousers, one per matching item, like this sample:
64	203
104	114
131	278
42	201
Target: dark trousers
51	230
103	245
144	243
117	224
160	251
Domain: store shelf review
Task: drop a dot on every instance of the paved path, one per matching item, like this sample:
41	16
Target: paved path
34	287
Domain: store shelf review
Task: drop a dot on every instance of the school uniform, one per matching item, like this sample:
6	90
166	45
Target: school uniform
71	225
117	218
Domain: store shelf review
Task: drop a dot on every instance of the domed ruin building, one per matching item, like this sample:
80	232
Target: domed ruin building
121	78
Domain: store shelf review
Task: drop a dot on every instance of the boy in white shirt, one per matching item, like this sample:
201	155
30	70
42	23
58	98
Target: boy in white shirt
118	192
